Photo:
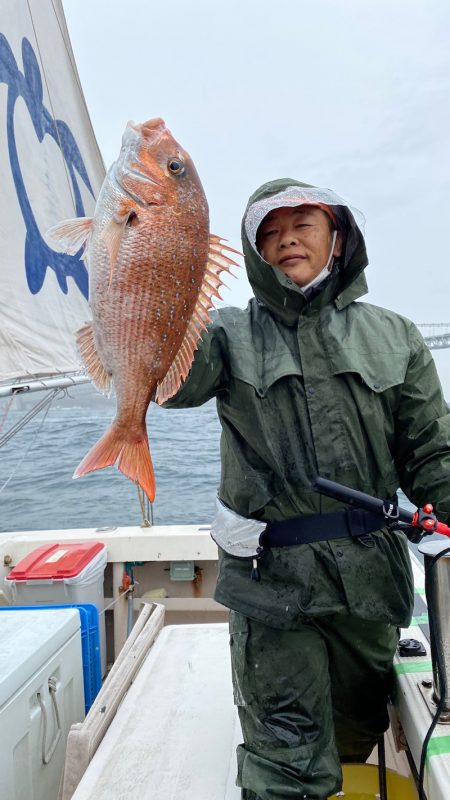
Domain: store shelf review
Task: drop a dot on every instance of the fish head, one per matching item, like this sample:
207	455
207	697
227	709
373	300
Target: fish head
154	169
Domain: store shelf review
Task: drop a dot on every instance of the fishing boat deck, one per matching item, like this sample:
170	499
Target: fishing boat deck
176	730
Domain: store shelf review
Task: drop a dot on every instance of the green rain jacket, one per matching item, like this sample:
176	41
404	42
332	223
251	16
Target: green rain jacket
331	387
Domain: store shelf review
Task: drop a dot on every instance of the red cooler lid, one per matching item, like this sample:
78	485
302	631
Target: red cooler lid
55	561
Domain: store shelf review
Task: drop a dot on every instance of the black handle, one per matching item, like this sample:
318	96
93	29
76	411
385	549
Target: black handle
359	499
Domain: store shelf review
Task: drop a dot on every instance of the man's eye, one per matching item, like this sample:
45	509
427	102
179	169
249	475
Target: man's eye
268	233
302	225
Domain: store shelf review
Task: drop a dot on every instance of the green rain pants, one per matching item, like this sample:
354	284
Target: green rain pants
308	699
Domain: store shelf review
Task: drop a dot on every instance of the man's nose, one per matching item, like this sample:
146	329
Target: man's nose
288	238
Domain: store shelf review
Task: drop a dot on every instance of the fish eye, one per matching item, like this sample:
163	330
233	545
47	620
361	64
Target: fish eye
175	166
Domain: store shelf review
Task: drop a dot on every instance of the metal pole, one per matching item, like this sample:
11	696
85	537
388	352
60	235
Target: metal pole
438	598
120	609
130	618
382	780
36	385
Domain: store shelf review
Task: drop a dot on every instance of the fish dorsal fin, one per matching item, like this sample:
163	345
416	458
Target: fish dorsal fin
70	234
95	368
217	263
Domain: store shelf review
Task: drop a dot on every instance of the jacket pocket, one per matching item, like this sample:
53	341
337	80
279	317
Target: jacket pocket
261	373
378	371
370	386
248	493
378	580
262	355
239	633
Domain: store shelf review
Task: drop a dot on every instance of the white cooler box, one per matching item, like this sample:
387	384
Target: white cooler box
57	574
41	696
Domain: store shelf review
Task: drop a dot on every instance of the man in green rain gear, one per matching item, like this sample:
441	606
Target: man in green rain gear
309	382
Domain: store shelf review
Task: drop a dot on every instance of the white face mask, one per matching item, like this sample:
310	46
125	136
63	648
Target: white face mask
324	272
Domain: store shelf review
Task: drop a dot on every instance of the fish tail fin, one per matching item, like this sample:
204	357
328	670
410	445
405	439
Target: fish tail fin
133	456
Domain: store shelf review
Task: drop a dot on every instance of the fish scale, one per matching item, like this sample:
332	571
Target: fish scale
154	269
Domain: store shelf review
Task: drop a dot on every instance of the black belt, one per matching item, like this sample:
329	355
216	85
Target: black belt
355	522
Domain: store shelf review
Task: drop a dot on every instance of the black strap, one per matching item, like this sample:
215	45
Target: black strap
355	522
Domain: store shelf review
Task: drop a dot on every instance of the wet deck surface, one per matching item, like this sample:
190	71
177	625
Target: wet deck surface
175	734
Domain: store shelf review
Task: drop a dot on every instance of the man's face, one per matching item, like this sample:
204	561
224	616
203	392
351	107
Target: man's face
298	241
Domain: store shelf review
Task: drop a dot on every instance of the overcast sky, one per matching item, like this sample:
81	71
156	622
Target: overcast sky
345	94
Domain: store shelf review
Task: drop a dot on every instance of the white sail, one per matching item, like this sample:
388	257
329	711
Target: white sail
51	169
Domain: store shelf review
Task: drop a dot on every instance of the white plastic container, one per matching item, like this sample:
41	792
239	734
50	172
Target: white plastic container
39	649
62	573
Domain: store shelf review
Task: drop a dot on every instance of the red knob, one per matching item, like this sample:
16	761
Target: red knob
428	508
428	524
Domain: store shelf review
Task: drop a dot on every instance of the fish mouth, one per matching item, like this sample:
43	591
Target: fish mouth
152	125
152	130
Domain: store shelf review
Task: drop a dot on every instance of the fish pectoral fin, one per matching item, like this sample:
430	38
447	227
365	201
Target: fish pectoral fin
95	368
112	237
181	364
70	234
218	262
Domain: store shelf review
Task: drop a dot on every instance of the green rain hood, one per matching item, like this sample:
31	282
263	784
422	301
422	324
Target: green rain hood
277	291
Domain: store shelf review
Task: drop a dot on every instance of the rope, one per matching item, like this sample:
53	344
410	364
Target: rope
46	401
145	511
35	410
118	599
6	411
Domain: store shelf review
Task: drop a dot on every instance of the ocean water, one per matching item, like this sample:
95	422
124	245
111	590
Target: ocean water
37	491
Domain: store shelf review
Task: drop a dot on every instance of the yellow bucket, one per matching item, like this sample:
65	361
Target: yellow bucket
361	783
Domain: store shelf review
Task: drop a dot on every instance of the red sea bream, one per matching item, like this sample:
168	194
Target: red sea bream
153	270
